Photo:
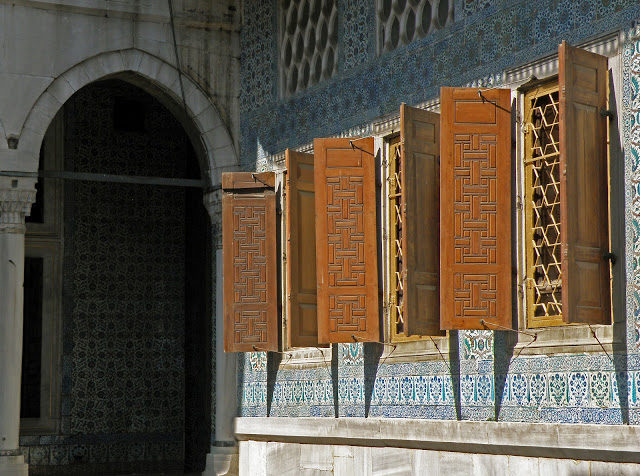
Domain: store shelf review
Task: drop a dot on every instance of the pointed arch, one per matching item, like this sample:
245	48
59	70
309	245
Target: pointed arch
201	120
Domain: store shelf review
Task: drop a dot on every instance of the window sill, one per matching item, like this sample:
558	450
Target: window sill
570	339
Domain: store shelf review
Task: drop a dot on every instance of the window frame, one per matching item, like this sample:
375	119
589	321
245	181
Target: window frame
548	85
564	337
46	240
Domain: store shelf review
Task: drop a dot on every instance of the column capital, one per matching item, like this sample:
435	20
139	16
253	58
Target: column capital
213	202
16	197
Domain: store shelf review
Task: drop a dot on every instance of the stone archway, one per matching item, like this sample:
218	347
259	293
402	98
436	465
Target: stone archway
201	119
137	280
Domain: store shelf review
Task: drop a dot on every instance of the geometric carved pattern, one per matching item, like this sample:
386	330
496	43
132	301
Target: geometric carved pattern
475	295
400	22
249	262
345	237
346	245
347	313
249	255
475	204
308	43
250	326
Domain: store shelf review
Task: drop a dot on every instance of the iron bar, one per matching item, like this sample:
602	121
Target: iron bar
93	177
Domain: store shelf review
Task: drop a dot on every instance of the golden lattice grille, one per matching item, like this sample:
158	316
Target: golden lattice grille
542	208
396	300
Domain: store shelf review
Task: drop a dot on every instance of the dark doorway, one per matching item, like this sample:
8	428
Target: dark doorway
136	387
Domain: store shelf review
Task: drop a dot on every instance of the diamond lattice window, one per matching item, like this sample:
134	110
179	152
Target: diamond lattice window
399	22
542	207
308	43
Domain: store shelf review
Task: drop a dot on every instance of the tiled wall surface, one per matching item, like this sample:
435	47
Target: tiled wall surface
482	379
486	38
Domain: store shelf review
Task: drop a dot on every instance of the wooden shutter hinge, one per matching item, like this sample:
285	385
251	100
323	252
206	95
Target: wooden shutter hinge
607	113
519	202
608	255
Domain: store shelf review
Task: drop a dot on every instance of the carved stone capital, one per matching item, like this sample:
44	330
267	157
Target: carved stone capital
15	203
213	202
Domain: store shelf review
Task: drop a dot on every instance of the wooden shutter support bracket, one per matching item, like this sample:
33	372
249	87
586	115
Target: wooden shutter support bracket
354	147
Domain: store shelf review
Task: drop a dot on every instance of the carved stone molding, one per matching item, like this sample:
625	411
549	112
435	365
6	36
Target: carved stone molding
15	205
213	203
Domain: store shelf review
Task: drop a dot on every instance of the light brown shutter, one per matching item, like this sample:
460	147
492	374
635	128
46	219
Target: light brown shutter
475	208
346	242
301	250
583	186
420	171
249	262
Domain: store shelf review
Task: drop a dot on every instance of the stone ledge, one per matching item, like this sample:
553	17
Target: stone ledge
617	443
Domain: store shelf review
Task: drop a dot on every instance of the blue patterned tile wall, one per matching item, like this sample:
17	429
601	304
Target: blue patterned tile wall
481	379
485	39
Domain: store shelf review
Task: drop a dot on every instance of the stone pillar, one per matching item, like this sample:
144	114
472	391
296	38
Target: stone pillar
16	197
223	457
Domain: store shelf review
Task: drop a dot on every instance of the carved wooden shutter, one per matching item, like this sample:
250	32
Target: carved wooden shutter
420	172
249	262
583	186
346	242
475	208
301	250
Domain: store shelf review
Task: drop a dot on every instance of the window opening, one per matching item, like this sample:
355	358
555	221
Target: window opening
128	115
396	262
542	207
32	338
396	301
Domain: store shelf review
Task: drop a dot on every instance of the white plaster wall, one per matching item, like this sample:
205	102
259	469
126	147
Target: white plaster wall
294	459
42	39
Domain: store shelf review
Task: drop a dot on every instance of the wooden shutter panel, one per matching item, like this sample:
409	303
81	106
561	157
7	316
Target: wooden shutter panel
583	186
420	171
475	208
301	250
249	262
346	241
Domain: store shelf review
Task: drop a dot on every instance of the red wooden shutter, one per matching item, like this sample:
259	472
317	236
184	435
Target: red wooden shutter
583	186
301	250
475	208
249	262
346	241
420	171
